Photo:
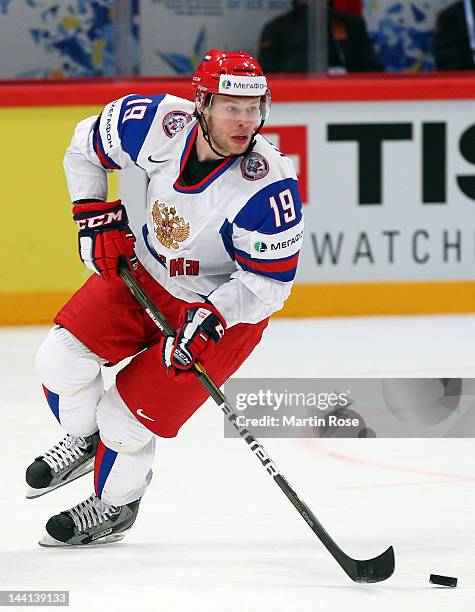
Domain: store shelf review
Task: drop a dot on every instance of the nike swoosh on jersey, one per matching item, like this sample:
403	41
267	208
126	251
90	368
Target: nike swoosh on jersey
157	161
144	416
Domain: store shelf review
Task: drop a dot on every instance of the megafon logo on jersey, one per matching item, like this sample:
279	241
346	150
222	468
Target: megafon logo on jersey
174	122
110	112
254	166
260	247
285	244
242	85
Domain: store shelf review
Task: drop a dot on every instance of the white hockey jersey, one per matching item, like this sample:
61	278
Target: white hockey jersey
232	239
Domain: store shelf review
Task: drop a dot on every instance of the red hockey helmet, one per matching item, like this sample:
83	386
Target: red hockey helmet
231	73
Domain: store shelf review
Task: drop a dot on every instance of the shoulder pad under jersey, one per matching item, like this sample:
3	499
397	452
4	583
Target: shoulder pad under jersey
125	124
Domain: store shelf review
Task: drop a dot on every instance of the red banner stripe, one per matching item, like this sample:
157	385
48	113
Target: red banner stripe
352	87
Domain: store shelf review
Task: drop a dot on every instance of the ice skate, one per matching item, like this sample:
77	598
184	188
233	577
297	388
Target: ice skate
69	459
90	522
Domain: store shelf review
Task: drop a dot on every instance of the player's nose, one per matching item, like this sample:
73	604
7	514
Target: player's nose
244	122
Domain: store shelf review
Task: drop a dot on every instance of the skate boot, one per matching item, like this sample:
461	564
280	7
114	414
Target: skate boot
69	459
90	522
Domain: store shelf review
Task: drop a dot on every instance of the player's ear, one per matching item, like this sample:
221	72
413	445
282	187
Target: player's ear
199	102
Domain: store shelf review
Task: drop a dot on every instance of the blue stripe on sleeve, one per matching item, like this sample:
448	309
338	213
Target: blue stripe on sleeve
258	214
100	151
266	267
133	131
283	277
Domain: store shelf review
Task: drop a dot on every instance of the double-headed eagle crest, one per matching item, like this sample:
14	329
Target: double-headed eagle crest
170	229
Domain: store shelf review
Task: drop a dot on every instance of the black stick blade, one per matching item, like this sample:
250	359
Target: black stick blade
373	570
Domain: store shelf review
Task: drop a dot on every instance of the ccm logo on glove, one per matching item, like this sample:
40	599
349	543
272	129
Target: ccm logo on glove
104	236
100	220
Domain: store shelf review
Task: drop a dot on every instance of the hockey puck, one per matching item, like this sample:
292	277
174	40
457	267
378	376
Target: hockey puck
443	580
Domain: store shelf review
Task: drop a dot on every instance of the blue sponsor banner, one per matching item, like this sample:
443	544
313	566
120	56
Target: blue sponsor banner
403	32
51	39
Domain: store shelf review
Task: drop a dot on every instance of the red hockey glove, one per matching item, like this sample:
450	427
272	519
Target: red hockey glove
201	323
104	235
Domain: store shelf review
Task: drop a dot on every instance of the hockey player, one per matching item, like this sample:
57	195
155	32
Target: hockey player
217	251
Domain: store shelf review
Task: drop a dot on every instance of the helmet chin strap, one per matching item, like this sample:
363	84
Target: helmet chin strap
207	137
252	143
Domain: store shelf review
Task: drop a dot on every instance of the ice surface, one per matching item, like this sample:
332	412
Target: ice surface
215	533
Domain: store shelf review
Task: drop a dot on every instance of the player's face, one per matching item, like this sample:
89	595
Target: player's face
232	121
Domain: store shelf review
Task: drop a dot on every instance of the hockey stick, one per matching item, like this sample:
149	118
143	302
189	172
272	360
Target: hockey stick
368	570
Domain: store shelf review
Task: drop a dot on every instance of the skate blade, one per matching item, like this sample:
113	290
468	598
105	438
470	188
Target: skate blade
47	541
31	493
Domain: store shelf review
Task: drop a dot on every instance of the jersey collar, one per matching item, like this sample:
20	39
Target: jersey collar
210	178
